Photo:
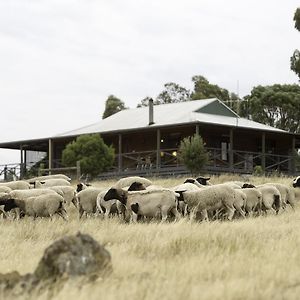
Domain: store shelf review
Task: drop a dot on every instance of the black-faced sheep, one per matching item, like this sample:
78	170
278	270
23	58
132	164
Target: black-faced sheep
148	203
46	205
210	198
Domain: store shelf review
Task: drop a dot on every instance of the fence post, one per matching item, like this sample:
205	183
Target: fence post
78	173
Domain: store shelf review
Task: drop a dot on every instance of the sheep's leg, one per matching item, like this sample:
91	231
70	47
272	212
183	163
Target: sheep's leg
81	211
106	214
134	217
230	211
175	212
241	212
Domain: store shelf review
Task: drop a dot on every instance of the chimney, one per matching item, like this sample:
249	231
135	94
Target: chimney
151	111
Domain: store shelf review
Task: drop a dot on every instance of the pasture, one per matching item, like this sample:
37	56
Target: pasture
255	258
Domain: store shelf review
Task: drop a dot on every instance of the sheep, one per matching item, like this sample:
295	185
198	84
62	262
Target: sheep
86	200
5	204
271	198
51	182
46	177
187	186
211	198
16	185
68	193
5	189
82	186
253	201
199	181
287	194
296	186
114	205
45	205
25	194
127	181
148	203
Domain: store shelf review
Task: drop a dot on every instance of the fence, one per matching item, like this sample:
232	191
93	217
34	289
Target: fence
165	162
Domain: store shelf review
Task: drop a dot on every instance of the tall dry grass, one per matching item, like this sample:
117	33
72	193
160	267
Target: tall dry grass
256	258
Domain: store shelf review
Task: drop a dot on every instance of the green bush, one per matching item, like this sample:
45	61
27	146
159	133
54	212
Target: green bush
192	153
258	171
94	155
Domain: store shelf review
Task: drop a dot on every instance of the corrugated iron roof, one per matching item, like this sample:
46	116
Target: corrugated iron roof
167	114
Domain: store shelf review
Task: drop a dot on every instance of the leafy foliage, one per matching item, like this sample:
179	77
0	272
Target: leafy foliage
144	102
277	105
295	62
295	59
297	19
112	106
193	154
94	155
203	89
173	93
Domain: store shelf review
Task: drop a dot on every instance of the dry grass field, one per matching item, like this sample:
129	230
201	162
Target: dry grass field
256	258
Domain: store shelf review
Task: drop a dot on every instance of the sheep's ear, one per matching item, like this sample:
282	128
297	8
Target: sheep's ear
42	182
135	207
189	180
88	184
180	198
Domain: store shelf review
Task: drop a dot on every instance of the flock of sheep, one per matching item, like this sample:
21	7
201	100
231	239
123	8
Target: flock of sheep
134	198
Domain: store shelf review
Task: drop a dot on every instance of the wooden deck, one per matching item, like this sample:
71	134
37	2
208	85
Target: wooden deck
165	163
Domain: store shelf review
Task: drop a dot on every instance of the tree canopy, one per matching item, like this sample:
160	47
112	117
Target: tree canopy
295	59
193	154
203	89
173	93
112	106
94	155
276	105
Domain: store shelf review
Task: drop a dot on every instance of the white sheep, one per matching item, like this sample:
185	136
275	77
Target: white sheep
5	189
211	198
45	205
82	186
127	181
16	185
51	182
253	201
187	186
148	203
68	193
86	200
286	192
271	198
46	177
296	186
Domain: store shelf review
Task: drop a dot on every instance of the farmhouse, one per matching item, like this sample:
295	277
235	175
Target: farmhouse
146	140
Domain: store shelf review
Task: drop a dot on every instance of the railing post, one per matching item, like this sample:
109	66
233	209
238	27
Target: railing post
78	170
197	130
50	154
231	150
293	160
263	151
22	162
120	154
158	149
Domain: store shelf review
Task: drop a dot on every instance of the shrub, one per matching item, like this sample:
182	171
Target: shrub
192	153
258	171
94	155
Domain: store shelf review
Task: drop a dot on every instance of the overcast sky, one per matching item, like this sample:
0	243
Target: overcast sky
61	59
